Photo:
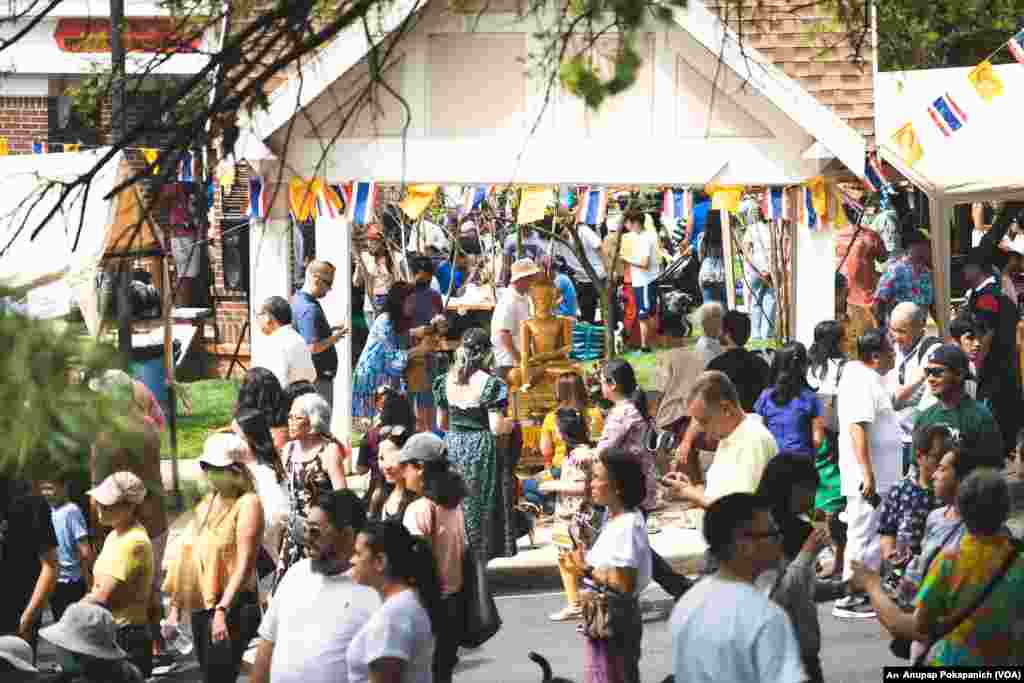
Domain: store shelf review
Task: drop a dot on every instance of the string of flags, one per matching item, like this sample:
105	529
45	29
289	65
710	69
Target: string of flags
949	115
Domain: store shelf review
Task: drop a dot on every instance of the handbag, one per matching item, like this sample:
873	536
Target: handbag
941	629
606	612
482	620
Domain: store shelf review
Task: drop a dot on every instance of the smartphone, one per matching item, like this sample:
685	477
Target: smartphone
874	499
667	483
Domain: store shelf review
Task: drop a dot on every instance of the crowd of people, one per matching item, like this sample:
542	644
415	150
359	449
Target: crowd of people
874	479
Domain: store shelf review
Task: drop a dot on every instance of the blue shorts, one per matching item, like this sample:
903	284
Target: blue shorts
646	300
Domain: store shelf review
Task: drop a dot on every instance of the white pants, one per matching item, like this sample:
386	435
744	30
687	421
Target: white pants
862	543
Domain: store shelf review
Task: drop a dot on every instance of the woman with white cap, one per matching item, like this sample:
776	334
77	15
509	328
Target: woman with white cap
123	573
225	535
87	647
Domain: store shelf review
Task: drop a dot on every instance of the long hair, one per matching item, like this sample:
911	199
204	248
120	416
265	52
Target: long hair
626	473
571	391
474	353
394	306
784	472
789	373
828	337
261	391
621	374
410	561
572	426
443	485
253	424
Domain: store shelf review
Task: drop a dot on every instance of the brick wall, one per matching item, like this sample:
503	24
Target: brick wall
22	119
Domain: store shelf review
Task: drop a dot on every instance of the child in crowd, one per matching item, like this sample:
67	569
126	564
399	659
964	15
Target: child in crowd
572	511
75	554
906	508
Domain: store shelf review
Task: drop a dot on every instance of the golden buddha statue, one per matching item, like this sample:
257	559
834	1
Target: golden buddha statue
545	341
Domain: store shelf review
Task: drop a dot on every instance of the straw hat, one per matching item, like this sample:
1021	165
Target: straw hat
524	267
119	487
87	629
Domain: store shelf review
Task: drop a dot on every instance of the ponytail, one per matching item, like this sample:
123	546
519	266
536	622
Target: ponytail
621	374
410	561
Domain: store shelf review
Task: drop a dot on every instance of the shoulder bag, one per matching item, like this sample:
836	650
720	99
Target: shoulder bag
943	628
606	612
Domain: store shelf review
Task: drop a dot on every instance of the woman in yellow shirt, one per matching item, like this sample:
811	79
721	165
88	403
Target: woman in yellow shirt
571	393
215	573
123	573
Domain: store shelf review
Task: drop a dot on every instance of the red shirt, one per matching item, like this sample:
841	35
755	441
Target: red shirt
859	266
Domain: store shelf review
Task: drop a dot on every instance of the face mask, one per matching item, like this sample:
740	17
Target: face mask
69	662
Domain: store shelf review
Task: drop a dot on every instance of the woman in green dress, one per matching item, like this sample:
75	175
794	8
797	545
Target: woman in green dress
471	405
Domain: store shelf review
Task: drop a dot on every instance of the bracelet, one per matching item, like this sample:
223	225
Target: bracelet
220	608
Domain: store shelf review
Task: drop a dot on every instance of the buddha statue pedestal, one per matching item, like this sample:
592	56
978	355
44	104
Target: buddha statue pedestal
545	341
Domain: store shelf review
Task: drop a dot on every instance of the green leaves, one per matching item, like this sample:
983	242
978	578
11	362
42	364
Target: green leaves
580	74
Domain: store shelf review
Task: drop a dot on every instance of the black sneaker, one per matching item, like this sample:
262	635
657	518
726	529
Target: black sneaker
854	607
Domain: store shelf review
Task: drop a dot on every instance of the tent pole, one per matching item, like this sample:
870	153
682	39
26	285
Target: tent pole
172	399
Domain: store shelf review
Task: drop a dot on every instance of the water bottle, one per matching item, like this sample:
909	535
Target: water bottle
176	637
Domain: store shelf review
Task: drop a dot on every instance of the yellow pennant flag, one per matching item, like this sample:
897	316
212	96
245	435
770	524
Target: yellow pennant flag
150	154
986	81
819	197
533	204
417	199
72	146
5	148
302	194
725	197
906	139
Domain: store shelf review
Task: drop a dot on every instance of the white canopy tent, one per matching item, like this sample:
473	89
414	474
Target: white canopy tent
60	263
978	162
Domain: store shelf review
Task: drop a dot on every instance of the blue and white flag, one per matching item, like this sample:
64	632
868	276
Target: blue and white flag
593	206
360	209
259	198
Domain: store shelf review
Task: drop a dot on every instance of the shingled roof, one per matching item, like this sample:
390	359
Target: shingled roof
795	36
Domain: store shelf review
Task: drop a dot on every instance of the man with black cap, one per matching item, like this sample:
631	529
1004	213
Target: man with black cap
946	372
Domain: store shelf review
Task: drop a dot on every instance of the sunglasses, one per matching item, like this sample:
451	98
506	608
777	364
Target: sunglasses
207	467
934	372
391	430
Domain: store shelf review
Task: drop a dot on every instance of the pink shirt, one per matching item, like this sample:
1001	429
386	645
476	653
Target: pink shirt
446	530
625	429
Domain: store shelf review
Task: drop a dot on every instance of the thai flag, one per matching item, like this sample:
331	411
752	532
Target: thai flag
1016	45
187	168
771	204
38	148
947	115
259	198
812	215
473	196
593	206
672	205
874	177
360	209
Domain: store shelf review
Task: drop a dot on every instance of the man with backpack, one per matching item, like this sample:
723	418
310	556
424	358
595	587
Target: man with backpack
906	379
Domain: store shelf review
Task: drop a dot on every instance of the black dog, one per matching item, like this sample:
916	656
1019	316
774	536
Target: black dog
546	670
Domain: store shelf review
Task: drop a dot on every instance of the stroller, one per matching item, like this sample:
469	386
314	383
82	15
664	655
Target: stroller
679	294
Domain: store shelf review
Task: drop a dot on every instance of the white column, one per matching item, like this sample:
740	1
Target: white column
939	209
269	264
333	245
814	280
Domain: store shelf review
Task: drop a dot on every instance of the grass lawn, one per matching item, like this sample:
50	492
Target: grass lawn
213	401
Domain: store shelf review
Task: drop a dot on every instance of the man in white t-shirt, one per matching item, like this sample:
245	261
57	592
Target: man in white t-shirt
906	380
286	353
587	291
870	459
725	629
644	268
318	608
512	309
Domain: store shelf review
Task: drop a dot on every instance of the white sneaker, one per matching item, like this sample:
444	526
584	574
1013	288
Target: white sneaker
567	613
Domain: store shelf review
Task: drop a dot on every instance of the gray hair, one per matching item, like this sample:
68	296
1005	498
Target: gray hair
314	407
984	501
714	388
911	312
711	315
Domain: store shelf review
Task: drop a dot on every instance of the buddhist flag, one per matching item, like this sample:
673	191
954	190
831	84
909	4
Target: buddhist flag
417	199
364	196
725	197
150	154
5	147
535	200
593	206
72	146
302	196
906	140
329	203
819	195
1016	46
986	81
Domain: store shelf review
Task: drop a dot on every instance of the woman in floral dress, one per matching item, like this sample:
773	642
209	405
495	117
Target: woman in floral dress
383	361
471	404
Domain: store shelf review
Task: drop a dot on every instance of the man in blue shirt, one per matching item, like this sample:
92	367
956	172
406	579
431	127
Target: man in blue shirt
75	553
567	304
309	321
445	272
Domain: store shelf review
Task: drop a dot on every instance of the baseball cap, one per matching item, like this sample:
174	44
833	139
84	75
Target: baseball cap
951	356
423	447
222	450
119	487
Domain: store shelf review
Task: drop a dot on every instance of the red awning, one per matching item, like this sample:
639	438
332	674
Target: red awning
158	34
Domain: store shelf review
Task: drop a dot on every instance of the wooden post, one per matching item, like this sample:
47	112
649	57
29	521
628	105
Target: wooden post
172	400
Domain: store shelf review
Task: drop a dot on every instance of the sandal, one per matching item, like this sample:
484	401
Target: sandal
567	613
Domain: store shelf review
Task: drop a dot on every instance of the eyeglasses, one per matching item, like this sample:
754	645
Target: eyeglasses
391	430
934	372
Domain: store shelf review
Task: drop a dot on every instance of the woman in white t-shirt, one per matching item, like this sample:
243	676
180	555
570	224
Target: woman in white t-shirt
397	644
620	561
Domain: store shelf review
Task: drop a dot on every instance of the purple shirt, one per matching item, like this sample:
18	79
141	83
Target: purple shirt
625	428
790	424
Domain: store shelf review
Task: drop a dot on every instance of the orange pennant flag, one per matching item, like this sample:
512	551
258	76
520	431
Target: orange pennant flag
986	81
906	139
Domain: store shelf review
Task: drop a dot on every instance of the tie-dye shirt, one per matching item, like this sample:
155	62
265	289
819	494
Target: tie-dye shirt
994	633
